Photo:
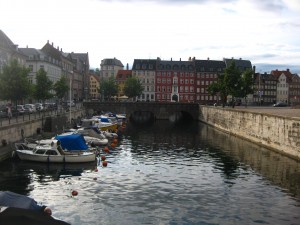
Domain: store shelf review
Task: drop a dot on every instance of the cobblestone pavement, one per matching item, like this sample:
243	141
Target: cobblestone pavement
280	111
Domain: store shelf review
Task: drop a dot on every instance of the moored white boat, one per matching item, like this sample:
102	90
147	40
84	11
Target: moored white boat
56	151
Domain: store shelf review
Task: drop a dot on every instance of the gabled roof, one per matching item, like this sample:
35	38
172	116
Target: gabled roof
5	42
96	77
278	73
51	51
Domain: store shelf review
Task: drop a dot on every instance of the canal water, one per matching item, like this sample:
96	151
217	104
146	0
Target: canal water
167	174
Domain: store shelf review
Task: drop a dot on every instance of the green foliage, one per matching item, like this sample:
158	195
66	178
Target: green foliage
109	88
233	82
14	83
43	86
133	87
61	87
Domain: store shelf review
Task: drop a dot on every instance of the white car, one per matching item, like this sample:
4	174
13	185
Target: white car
30	108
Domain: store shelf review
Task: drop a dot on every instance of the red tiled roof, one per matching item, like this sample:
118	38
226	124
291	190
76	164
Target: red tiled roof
277	73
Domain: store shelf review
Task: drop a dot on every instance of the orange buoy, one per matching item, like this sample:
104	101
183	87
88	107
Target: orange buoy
106	149
74	193
103	157
104	163
113	145
115	141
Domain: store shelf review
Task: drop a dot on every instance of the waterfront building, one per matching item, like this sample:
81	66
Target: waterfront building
9	51
94	86
284	78
144	70
81	68
207	72
110	67
265	89
36	60
294	90
122	75
175	81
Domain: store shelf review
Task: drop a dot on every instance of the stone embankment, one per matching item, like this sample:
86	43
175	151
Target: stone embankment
14	132
275	128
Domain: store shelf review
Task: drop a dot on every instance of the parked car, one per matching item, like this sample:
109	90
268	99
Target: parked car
21	109
3	112
280	104
72	104
39	106
30	108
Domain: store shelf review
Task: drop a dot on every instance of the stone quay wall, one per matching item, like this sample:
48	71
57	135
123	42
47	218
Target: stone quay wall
276	132
17	131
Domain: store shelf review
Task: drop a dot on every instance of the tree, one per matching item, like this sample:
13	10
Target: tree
43	86
133	87
232	82
61	87
246	84
14	83
109	88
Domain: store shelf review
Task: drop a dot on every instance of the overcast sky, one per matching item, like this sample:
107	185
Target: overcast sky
263	31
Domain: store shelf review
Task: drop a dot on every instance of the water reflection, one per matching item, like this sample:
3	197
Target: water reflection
170	174
276	168
229	153
18	176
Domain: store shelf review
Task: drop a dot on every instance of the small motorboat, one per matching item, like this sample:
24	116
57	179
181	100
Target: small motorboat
63	149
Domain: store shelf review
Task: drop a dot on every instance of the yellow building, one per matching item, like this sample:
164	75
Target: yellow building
94	87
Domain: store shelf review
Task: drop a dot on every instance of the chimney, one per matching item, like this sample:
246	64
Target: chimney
254	68
180	59
190	58
171	59
127	67
52	43
288	70
207	58
61	49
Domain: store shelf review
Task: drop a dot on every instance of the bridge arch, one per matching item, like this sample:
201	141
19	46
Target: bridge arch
159	110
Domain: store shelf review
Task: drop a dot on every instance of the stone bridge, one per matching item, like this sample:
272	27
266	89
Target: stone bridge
144	111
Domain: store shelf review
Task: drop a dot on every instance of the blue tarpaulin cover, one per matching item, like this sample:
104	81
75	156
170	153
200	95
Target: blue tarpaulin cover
72	142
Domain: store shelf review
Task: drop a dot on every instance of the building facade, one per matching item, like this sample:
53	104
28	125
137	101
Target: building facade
145	71
122	75
94	86
110	67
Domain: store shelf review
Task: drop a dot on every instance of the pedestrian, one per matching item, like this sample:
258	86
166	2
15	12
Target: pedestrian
9	113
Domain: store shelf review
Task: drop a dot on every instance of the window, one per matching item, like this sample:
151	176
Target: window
31	67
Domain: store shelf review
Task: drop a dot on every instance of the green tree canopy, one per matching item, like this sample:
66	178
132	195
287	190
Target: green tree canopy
109	88
61	87
232	82
43	86
14	83
133	87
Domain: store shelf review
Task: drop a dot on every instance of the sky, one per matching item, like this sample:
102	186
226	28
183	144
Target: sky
262	31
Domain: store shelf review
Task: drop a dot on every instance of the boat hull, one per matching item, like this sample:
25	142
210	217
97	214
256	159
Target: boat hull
68	158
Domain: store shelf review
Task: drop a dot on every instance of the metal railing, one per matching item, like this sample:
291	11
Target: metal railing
19	118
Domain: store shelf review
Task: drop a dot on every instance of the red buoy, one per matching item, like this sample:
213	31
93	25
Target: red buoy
104	163
103	157
74	193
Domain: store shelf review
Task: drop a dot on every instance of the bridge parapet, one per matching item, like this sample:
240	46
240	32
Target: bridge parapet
161	110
